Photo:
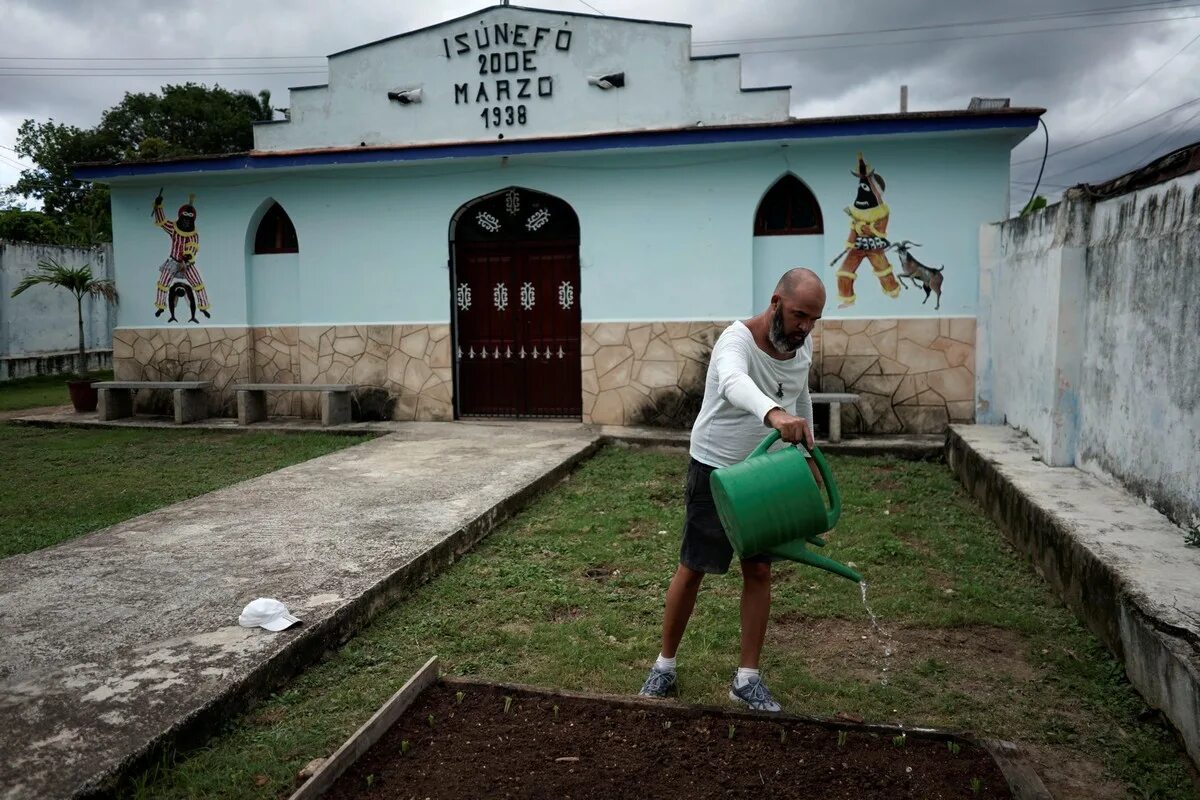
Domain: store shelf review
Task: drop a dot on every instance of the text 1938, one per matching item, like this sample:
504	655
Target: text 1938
497	116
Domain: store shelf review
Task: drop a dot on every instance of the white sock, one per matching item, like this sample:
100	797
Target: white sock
744	674
664	664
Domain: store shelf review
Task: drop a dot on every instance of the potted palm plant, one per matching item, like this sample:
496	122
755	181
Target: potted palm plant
80	282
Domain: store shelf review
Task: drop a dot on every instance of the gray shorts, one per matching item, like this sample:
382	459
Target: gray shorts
705	547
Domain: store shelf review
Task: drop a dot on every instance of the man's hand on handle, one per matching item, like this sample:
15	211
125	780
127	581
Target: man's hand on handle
792	429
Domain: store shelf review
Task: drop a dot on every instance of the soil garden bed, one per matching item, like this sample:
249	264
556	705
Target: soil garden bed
458	738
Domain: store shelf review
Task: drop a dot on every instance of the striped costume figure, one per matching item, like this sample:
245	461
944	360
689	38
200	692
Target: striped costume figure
868	237
180	266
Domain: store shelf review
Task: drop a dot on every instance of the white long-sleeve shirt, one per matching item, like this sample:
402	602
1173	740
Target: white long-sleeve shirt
743	384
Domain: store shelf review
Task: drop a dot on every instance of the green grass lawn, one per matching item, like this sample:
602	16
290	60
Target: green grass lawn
42	390
570	595
61	483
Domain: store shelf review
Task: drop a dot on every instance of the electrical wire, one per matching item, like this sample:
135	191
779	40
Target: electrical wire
1086	142
874	45
1136	8
13	163
1144	81
153	75
1045	154
1056	186
1155	5
158	58
1126	149
878	44
89	68
1159	142
1115	105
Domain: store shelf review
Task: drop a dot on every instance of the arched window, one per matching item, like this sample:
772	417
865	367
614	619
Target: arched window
788	209
276	233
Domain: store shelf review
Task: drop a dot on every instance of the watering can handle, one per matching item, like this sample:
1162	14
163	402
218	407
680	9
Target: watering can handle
835	497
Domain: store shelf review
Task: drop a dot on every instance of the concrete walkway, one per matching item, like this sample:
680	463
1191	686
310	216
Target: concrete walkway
125	641
42	412
1121	566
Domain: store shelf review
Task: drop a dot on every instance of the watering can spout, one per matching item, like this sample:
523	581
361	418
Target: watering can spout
771	504
797	551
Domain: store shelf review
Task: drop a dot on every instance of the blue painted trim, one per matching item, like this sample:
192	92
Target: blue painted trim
787	88
269	121
310	86
715	57
610	141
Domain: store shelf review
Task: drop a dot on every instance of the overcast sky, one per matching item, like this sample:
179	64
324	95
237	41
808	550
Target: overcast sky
1098	73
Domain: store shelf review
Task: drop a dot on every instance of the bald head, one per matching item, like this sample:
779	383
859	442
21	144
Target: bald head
800	279
796	305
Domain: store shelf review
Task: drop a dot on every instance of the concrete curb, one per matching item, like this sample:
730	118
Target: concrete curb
909	448
915	447
193	730
1161	658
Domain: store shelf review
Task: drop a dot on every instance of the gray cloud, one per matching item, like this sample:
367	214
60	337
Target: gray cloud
1078	75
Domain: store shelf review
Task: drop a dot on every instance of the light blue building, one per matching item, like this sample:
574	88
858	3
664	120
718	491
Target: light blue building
539	213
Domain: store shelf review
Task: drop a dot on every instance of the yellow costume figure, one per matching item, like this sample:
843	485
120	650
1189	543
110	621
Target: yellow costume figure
868	237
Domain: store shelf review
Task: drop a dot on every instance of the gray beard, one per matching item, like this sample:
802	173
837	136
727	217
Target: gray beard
777	337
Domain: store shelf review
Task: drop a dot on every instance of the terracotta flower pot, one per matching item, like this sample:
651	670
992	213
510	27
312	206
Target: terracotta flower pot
83	395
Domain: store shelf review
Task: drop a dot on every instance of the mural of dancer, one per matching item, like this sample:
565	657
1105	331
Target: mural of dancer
868	237
180	266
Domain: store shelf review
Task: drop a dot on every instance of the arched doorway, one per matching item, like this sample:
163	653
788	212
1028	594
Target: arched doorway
514	297
788	232
272	267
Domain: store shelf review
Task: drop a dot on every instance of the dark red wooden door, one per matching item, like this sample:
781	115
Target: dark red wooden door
517	329
488	377
515	280
553	372
516	306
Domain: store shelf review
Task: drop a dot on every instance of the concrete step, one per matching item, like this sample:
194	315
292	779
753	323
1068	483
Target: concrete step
1121	566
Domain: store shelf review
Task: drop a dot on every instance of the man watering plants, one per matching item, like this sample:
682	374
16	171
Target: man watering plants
757	380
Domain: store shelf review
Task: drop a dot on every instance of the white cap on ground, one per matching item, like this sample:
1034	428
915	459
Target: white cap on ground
266	613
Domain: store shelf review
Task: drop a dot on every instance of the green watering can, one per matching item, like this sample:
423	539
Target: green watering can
771	504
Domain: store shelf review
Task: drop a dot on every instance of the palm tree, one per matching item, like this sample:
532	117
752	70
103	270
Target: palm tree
265	112
80	282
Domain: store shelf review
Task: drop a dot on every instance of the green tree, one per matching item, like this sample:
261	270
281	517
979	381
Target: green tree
54	147
188	119
20	225
80	282
1034	204
191	119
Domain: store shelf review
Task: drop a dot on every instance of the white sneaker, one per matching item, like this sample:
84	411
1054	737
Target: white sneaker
754	693
659	683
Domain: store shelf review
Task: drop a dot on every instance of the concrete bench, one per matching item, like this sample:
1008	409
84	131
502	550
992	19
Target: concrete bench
835	400
190	400
335	400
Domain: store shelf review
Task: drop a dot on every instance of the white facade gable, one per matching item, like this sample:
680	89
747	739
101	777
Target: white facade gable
516	73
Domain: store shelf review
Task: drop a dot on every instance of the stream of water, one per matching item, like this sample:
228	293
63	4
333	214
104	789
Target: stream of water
883	637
